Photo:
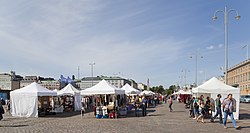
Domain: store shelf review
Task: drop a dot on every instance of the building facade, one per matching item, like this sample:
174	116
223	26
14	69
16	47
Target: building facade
50	84
118	82
88	82
239	76
142	86
8	82
28	80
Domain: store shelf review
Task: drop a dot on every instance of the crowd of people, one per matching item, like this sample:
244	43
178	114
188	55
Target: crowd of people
201	109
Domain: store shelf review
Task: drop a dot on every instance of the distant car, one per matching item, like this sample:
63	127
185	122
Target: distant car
245	99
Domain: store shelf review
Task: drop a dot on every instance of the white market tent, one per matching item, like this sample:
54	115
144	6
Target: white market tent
147	93
24	101
129	89
214	87
188	92
72	91
103	87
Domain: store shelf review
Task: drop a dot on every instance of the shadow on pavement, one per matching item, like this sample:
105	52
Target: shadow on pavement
13	125
156	114
244	116
241	127
133	114
61	115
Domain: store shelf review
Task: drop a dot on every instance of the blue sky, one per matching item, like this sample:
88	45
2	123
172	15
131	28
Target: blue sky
136	39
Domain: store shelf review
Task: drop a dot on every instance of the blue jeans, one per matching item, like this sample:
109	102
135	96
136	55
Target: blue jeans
232	118
195	112
218	112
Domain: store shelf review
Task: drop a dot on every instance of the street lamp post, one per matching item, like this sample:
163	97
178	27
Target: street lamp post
185	76
92	72
246	46
226	12
196	56
78	72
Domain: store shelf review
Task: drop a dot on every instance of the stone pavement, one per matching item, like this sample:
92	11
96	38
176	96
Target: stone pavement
158	120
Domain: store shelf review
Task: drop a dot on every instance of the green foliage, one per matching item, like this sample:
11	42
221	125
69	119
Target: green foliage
171	89
158	89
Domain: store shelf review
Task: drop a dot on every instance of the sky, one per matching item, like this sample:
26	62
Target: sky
135	39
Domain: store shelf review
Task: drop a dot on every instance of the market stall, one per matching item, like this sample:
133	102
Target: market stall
108	99
213	87
31	100
71	98
150	96
130	92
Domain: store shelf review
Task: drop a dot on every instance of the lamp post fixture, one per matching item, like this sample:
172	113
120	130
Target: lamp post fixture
78	72
92	72
185	76
226	12
196	56
246	46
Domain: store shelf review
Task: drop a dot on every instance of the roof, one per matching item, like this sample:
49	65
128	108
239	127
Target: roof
34	89
68	90
130	90
214	85
103	87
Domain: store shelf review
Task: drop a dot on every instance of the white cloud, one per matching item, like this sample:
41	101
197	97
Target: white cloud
65	36
210	47
54	37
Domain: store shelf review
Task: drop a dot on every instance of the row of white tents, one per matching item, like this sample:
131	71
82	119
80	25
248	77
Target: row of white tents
213	87
24	101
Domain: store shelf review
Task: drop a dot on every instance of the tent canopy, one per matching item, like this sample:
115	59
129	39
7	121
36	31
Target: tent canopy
130	90
103	87
188	92
215	86
24	101
68	90
147	93
34	89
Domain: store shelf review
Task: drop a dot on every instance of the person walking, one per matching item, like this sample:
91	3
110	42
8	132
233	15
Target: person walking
144	106
1	111
228	106
201	109
196	108
170	103
218	109
191	111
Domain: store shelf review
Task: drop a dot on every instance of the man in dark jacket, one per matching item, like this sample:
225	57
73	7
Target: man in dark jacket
218	109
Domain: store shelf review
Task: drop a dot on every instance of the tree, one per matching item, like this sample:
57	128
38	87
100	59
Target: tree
158	89
171	89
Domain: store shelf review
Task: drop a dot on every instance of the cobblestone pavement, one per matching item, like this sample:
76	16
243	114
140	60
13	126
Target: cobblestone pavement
158	120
